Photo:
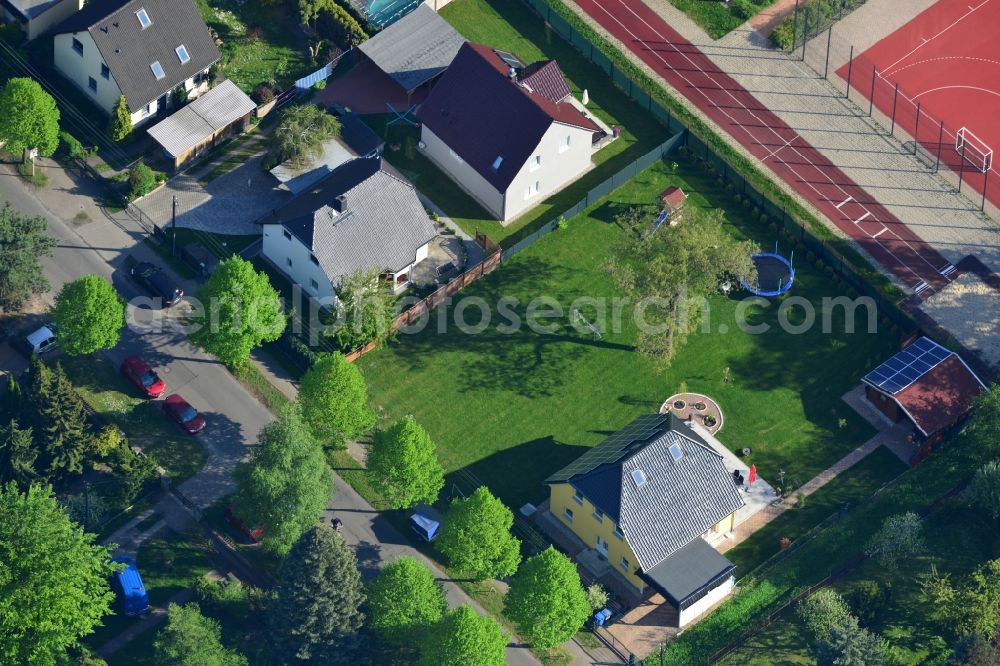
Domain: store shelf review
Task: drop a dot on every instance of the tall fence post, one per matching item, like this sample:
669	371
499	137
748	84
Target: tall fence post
986	181
805	32
850	67
961	169
871	95
916	129
829	37
895	94
937	163
795	25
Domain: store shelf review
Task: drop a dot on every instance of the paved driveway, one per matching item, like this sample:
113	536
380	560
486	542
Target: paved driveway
227	205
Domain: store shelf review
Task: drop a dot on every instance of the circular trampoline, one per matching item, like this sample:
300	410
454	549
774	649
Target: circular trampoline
775	275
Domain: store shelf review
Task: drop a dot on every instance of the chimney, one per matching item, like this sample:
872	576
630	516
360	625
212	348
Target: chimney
340	203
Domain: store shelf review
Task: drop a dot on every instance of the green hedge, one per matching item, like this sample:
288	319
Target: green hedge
754	176
814	16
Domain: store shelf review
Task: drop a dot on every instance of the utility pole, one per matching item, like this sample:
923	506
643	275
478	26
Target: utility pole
173	229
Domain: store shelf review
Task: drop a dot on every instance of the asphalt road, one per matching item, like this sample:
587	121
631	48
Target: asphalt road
100	247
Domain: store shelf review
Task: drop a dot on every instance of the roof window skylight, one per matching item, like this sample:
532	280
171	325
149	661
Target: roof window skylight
639	478
183	54
157	70
144	19
497	162
675	452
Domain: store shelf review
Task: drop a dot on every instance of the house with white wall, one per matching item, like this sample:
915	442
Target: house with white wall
140	49
359	217
507	133
36	17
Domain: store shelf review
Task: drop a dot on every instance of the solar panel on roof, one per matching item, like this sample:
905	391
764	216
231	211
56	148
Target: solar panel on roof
907	366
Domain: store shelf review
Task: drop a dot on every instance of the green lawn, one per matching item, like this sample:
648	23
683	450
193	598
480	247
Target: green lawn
958	540
279	55
716	18
111	396
514	27
847	488
511	408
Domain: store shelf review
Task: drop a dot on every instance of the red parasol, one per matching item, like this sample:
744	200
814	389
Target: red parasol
753	474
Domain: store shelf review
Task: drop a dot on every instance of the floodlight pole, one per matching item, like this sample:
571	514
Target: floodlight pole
829	37
895	94
871	96
850	66
916	129
937	163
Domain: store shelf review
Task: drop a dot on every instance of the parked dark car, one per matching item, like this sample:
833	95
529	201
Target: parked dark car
144	377
183	414
156	281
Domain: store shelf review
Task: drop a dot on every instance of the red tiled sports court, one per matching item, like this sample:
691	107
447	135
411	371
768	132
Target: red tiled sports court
777	145
947	60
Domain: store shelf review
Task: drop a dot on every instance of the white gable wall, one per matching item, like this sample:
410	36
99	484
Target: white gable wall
461	173
79	68
561	163
56	13
279	250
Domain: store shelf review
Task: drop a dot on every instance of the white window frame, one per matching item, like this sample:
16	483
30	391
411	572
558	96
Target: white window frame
536	163
143	13
564	145
533	190
287	234
624	564
183	49
619	534
568	514
578	497
153	66
598	515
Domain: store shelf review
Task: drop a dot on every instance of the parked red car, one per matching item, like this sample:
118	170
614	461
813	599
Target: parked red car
255	534
186	416
146	380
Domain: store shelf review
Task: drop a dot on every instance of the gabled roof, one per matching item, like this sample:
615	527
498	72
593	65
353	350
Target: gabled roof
129	49
546	79
29	9
932	384
689	573
482	114
196	122
414	49
381	226
659	481
673	196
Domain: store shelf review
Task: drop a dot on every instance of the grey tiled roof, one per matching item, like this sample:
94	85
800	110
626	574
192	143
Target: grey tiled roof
206	115
30	9
415	48
689	573
129	50
680	500
382	226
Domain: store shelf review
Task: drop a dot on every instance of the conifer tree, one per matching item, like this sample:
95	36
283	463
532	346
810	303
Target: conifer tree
18	453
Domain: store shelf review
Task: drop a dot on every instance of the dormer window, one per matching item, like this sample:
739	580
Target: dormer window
183	54
497	162
157	70
144	19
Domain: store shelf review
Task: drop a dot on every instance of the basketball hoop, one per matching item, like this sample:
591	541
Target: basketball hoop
974	150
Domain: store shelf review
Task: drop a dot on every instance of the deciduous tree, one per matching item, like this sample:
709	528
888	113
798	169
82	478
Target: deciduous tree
90	315
243	310
120	126
463	637
335	401
191	639
23	241
547	600
404	601
285	485
972	606
476	536
316	616
364	310
673	270
300	135
404	465
900	537
984	491
53	576
29	118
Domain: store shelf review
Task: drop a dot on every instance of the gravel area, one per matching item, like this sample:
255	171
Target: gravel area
967	308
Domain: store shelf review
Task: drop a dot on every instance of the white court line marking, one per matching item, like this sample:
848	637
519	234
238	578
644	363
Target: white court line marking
848	199
861	219
724	112
884	229
779	149
933	37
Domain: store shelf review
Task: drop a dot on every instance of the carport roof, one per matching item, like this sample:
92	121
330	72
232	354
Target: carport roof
414	49
196	122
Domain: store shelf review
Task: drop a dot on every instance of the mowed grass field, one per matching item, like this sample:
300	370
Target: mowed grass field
513	407
513	27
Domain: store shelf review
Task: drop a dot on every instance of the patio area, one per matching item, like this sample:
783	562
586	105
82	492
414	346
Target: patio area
445	260
367	89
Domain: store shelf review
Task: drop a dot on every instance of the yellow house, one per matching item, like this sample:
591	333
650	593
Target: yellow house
643	499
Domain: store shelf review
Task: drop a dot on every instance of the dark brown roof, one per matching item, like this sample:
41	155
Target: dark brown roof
546	79
481	114
941	397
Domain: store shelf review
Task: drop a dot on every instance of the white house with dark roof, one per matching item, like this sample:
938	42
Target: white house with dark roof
139	49
37	16
360	217
645	499
507	133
